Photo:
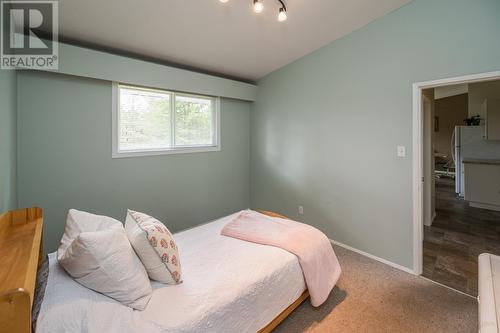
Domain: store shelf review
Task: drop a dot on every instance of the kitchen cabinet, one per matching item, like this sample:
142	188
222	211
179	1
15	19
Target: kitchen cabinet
482	183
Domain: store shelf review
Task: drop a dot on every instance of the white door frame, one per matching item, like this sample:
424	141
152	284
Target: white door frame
417	145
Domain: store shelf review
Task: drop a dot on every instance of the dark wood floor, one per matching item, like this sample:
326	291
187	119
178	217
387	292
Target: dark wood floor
457	236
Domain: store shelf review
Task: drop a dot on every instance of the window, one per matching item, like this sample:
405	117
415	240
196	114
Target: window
152	122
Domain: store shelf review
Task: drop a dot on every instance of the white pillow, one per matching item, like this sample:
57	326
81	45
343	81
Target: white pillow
95	251
155	245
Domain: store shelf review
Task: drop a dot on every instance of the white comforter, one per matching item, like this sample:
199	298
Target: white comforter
229	286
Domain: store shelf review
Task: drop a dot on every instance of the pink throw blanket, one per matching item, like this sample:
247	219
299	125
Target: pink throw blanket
319	263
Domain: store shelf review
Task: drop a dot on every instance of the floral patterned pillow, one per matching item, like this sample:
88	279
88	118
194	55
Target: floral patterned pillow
155	246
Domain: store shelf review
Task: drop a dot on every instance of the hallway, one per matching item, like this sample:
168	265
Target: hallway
457	236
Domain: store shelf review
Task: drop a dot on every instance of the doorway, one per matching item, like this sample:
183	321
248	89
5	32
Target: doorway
450	228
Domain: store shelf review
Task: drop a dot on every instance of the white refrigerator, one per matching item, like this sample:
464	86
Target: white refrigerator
468	141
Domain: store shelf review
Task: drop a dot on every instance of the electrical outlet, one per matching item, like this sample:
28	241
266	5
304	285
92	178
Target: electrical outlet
301	210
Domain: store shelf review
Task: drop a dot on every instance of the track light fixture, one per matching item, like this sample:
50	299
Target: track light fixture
258	7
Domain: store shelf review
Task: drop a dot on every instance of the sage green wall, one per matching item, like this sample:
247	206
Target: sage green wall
64	160
324	129
8	196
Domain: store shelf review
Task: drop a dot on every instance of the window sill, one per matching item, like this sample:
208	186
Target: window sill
143	153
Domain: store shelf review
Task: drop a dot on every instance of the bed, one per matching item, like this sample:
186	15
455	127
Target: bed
248	288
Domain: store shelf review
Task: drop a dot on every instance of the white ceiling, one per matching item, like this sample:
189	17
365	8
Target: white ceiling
228	39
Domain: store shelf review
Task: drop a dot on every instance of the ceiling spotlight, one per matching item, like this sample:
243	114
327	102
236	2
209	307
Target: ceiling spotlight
282	15
258	6
223	1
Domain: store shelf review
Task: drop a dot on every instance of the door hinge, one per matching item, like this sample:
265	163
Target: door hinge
423	179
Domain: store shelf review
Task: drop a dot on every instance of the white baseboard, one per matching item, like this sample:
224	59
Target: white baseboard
371	256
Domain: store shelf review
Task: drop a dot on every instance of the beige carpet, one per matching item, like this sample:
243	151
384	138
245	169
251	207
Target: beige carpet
373	297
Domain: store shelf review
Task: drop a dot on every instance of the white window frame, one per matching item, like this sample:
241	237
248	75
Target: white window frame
115	121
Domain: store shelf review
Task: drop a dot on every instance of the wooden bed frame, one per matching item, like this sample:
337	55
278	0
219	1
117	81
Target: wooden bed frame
21	252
